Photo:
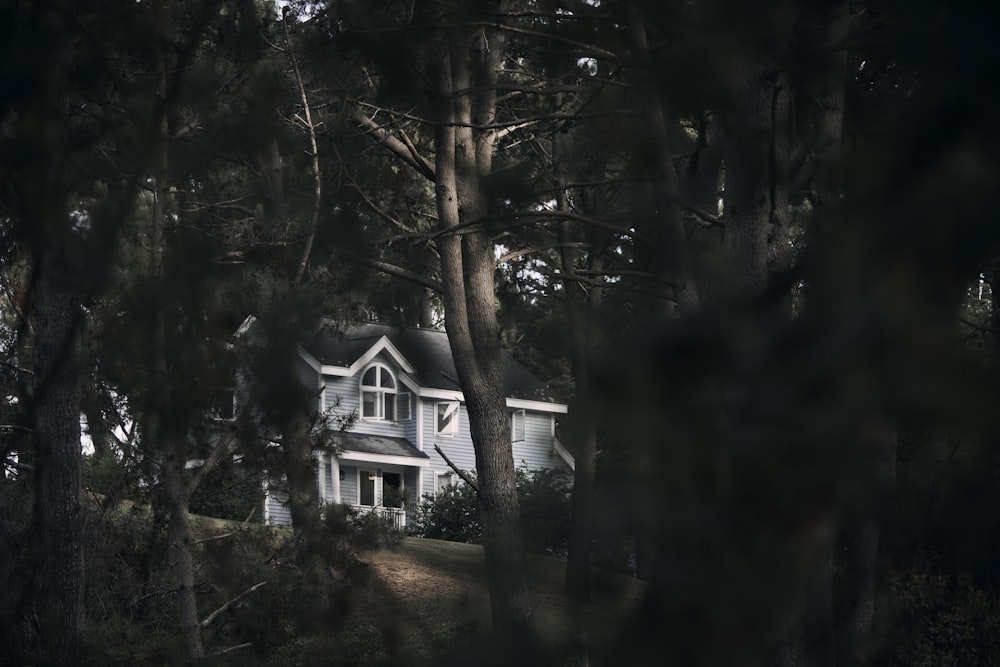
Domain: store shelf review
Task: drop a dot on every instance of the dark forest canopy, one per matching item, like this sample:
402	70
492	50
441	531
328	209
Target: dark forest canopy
753	245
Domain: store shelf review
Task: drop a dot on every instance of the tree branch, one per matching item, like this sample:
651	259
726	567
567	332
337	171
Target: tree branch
468	480
317	179
227	651
393	270
221	610
392	144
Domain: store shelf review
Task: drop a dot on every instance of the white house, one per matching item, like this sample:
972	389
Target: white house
402	383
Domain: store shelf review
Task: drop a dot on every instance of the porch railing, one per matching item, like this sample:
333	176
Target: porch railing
394	514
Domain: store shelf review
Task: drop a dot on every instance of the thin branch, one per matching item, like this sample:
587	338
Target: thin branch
317	176
514	219
505	124
707	219
586	49
393	270
221	610
227	651
213	459
395	146
223	536
395	222
515	254
468	480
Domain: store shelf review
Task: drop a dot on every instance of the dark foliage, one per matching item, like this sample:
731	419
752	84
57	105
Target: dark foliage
545	513
230	491
129	606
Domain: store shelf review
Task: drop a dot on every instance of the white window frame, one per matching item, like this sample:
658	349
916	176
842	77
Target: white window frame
513	425
380	392
438	475
452	428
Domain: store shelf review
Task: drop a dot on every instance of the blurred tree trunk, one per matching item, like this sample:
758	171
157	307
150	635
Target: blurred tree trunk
584	326
169	426
56	423
51	620
862	542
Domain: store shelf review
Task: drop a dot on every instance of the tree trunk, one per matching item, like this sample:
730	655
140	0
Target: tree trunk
51	626
300	472
462	161
179	544
862	552
56	423
582	427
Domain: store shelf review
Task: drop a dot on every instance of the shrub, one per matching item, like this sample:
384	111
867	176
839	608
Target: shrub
230	491
938	620
545	513
452	515
544	497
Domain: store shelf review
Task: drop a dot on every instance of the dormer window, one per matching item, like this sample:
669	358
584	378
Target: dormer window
378	393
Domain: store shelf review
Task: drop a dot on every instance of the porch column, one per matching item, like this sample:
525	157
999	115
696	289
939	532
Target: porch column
335	478
321	479
420	486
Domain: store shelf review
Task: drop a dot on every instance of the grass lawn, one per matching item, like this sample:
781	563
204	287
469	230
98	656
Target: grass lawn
439	588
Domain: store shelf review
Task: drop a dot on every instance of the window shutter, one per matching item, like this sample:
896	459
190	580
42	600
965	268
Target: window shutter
403	406
517	426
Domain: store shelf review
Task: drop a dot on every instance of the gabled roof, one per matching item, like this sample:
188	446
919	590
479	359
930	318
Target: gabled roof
426	356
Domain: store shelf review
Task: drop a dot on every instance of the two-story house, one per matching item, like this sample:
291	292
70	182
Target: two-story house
402	384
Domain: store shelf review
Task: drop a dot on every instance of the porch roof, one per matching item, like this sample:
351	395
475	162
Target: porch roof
381	445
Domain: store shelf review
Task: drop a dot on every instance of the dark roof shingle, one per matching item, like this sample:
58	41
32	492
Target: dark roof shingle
428	350
377	444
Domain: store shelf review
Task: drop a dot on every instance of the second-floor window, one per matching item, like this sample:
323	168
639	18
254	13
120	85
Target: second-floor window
378	393
446	418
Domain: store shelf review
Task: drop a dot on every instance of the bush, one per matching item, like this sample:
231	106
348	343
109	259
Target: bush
939	620
230	491
452	515
129	602
545	513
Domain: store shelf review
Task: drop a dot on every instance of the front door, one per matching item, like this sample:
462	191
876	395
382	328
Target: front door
366	487
392	489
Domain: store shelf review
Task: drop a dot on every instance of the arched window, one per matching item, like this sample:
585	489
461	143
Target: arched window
378	393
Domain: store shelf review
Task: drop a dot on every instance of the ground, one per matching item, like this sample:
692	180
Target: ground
446	581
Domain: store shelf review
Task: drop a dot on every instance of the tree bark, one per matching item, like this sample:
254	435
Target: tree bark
56	422
584	328
300	473
463	160
179	541
51	625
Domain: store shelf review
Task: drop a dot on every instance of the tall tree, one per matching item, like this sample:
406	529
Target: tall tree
49	608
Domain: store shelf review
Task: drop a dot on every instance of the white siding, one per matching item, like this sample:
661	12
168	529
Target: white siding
278	512
535	451
458	448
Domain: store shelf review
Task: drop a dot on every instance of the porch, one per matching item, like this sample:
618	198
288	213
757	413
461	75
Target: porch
374	474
